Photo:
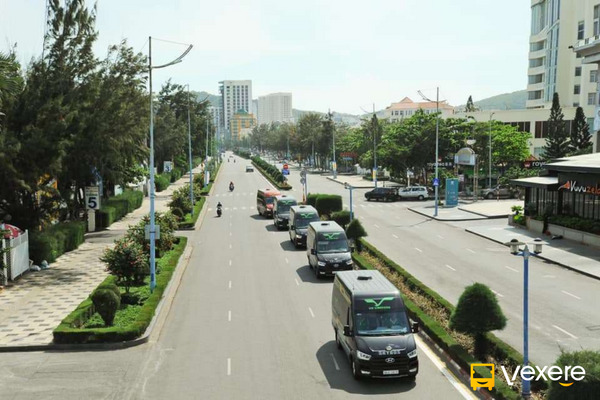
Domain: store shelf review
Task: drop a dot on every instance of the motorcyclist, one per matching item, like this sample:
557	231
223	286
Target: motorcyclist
219	208
231	186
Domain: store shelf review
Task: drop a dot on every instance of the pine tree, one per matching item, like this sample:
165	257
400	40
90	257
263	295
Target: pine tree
470	107
580	142
557	141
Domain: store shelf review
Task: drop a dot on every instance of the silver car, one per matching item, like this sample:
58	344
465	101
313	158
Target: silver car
413	192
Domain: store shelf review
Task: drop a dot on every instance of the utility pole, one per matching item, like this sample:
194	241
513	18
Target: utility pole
374	147
190	153
436	182
490	155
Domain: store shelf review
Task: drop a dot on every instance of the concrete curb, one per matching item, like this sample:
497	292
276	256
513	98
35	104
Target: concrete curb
355	187
461	374
569	267
444	219
484	215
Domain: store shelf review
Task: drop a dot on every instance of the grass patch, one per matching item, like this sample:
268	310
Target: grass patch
134	318
124	317
189	222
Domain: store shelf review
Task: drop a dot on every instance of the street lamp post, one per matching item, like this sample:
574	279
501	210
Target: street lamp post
152	227
437	137
490	154
525	253
333	136
190	153
350	188
374	150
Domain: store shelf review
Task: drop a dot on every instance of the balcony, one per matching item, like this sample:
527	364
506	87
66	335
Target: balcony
535	103
589	49
532	87
537	54
536	70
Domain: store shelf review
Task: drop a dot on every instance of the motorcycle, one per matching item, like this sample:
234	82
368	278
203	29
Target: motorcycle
231	187
219	212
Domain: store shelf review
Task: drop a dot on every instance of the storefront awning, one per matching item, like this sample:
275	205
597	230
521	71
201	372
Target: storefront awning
546	182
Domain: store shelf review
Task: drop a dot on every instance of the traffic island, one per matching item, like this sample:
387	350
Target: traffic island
433	313
85	325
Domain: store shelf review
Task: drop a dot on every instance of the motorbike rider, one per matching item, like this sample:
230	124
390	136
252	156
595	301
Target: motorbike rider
231	186
219	207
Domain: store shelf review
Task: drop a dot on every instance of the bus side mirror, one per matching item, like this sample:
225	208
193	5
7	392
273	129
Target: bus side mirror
313	252
347	331
414	326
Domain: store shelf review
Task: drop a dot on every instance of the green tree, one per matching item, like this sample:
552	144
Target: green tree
477	313
470	107
355	231
309	129
588	388
509	145
580	141
557	141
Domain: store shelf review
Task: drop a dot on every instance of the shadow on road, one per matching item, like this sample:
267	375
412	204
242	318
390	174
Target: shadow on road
307	274
287	245
329	356
258	217
272	228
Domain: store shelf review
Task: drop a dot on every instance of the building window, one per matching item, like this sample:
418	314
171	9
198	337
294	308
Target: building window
597	20
580	30
577	71
592	99
594	76
576	89
541	129
536	62
575	104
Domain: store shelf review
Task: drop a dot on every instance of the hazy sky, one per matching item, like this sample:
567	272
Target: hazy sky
338	54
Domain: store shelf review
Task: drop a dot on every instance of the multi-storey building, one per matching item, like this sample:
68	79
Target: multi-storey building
557	25
275	107
235	95
406	108
240	121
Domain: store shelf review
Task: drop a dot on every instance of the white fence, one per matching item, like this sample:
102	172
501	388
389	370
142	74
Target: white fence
17	258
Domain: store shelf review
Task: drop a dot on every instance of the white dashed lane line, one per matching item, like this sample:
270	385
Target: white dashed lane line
497	294
512	269
449	267
418	249
571	294
565	332
311	312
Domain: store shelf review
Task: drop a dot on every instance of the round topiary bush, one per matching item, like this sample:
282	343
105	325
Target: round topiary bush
110	286
106	303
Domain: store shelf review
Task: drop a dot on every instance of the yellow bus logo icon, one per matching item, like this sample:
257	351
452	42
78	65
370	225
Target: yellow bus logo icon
482	382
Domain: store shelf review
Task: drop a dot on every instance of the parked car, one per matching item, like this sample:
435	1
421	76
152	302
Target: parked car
249	168
505	192
381	193
413	192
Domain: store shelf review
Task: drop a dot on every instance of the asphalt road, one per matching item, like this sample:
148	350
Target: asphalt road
563	311
249	321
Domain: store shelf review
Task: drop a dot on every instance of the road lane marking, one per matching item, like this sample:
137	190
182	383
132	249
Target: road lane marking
376	226
418	249
512	269
229	284
337	367
497	294
235	208
440	236
230	246
229	367
297	283
471	251
565	332
447	266
230	263
444	370
230	234
311	312
395	236
548	276
287	261
570	294
229	316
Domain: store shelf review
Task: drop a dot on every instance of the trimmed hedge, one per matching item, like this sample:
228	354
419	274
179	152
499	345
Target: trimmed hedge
70	329
271	173
243	154
116	207
56	240
498	349
161	181
176	173
328	203
189	222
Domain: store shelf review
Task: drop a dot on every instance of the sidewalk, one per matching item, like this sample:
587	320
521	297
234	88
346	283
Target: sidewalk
357	181
574	256
36	303
468	210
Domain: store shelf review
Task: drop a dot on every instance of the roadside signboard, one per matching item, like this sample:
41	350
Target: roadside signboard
168	166
285	171
436	182
451	192
92	197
